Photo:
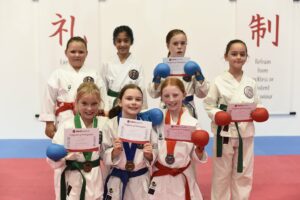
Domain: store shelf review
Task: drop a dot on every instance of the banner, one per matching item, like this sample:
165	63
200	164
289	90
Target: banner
58	22
268	33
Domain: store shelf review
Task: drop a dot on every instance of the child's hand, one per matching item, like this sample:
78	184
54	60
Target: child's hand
117	148
73	156
199	151
50	129
148	151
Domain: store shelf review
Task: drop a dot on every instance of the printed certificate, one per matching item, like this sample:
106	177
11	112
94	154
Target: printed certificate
178	132
241	112
176	64
81	140
136	131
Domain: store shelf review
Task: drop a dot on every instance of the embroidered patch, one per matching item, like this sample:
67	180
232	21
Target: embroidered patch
88	79
133	74
248	91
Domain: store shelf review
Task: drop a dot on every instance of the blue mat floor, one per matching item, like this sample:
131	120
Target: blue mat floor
36	148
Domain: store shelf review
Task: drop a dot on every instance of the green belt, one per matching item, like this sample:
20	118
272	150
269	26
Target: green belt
75	165
112	93
220	142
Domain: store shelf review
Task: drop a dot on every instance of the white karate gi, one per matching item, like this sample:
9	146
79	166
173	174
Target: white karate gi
137	187
62	86
116	75
173	187
94	179
227	183
192	87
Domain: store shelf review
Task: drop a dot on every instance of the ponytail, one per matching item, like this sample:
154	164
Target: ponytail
114	111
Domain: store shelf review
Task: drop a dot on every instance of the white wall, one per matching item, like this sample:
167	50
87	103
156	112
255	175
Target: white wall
208	24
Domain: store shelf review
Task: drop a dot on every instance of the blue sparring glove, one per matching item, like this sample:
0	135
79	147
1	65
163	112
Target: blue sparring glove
153	115
56	152
192	68
162	70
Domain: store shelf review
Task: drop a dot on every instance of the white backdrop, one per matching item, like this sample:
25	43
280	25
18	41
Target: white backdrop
28	54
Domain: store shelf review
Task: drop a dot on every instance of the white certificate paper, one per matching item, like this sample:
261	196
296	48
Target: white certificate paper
178	132
241	112
81	140
176	64
136	131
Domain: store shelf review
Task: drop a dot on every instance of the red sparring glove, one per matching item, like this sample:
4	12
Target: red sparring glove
200	138
222	118
260	115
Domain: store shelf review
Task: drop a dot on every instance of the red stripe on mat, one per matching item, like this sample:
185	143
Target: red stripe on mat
26	179
275	178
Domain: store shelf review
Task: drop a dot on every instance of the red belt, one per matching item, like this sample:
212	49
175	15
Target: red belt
163	170
63	106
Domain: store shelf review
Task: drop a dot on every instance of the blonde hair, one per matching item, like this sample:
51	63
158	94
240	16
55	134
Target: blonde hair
88	88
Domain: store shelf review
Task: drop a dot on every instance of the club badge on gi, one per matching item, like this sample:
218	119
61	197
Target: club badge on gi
249	92
81	140
133	74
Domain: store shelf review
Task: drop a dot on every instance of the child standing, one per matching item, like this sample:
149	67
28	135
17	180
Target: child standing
174	175
78	175
176	41
233	146
123	69
129	176
58	104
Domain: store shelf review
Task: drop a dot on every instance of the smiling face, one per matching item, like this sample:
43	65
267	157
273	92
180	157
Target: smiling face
87	106
123	43
236	57
76	54
172	96
131	103
177	45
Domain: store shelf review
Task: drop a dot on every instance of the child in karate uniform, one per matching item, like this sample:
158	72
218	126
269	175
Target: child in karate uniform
173	174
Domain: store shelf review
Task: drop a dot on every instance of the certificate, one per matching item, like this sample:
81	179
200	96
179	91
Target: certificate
178	132
241	112
136	131
176	64
81	140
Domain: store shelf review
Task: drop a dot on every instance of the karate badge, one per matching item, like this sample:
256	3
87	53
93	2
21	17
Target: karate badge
88	79
248	91
69	87
133	74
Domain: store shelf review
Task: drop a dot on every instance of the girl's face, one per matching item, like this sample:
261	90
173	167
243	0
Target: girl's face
172	96
236	57
177	45
88	106
131	103
122	43
76	54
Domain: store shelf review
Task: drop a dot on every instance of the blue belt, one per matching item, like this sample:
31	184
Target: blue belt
124	175
188	99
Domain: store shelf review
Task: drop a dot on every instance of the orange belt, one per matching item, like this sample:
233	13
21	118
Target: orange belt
163	170
63	106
